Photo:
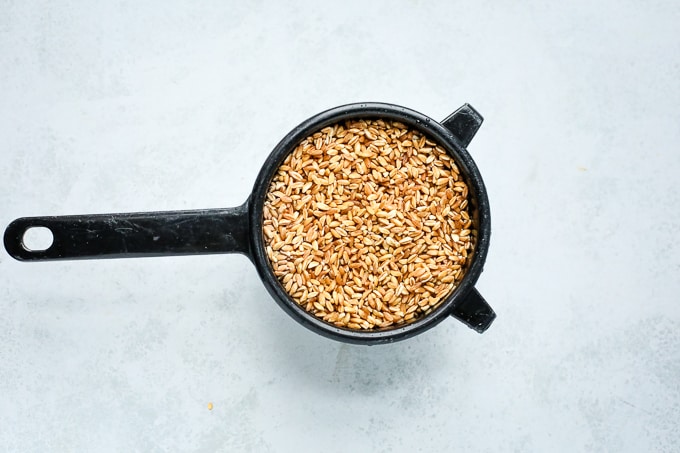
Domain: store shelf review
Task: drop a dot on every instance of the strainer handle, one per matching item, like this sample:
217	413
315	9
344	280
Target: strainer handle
134	234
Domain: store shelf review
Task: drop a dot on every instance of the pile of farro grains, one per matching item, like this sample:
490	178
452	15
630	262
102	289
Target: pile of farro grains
366	224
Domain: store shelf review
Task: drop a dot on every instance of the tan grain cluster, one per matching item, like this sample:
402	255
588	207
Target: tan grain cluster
366	224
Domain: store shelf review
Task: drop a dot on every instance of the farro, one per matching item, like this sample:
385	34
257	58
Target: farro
367	224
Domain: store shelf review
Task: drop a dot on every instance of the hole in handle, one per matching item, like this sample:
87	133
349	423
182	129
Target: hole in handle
37	239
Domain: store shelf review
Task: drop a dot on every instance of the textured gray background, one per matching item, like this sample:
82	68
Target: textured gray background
115	106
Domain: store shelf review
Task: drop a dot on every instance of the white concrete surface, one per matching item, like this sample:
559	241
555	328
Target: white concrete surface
137	106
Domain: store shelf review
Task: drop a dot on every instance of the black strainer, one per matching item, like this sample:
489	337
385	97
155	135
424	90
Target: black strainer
239	230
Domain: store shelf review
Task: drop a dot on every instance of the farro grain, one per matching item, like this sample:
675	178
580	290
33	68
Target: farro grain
366	224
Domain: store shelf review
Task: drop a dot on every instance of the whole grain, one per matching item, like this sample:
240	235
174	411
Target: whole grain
367	224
